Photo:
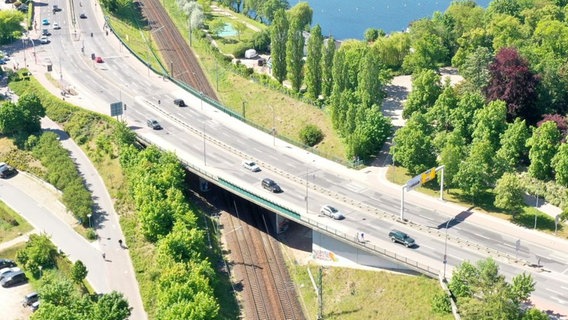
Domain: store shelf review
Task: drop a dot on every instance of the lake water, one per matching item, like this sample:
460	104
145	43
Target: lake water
349	19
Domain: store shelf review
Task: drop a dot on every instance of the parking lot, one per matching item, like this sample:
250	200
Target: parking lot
11	302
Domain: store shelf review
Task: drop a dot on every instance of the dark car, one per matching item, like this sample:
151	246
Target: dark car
154	124
6	171
56	8
401	237
271	186
14	279
6	263
30	298
179	102
83	16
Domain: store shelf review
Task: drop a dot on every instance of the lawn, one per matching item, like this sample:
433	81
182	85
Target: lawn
359	294
12	224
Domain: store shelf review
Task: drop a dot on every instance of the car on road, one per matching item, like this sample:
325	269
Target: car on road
402	238
23	8
99	59
44	40
45	22
45	32
270	185
83	16
6	263
56	26
179	102
30	298
331	212
154	124
250	165
14	279
56	8
6	171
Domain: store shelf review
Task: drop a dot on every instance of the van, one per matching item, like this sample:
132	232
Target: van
270	185
14	279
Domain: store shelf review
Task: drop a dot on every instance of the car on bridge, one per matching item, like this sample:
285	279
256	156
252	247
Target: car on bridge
154	124
179	102
270	185
331	212
250	165
402	238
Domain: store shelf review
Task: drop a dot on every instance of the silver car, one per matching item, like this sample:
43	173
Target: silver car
250	165
331	212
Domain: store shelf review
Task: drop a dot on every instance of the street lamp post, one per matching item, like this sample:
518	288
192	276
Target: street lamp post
204	145
446	247
201	97
89	216
40	267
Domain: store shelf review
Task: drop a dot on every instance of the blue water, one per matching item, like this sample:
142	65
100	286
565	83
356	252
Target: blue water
228	31
349	19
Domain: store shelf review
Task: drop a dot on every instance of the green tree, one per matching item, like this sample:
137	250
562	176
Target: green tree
513	144
111	306
462	116
509	193
79	271
393	49
476	172
372	34
39	251
560	165
451	156
181	244
489	123
522	286
311	135
313	63
269	8
11	118
535	314
303	12
371	132
216	27
240	27
426	88
278	36
56	291
543	146
440	113
294	54
413	147
326	65
475	68
371	87
11	25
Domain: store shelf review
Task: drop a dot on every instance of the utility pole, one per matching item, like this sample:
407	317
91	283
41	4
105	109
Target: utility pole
320	294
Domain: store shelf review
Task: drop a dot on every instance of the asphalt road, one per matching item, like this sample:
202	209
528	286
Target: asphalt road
121	77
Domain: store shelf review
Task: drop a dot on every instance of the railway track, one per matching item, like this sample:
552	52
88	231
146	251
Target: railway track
267	291
179	59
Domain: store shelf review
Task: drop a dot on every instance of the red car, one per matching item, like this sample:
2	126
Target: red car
99	60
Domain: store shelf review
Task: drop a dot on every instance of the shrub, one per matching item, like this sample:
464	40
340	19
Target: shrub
311	135
91	234
441	303
239	51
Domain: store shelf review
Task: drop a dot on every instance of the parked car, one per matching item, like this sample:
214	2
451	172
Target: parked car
56	26
30	298
6	263
14	279
154	124
270	185
45	32
35	306
179	102
401	237
331	212
7	271
250	165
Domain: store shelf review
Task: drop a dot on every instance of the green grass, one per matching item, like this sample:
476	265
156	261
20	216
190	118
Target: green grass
359	294
12	224
229	43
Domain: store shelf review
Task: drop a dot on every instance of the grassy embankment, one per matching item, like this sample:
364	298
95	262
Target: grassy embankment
12	224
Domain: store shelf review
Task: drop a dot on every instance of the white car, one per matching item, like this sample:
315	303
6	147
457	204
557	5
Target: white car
331	212
56	26
43	40
251	165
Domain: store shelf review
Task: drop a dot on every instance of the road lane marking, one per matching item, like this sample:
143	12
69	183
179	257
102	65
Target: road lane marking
482	236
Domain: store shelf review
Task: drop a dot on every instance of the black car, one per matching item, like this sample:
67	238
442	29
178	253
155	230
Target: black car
30	298
179	102
6	171
271	186
401	237
14	279
154	124
83	16
6	263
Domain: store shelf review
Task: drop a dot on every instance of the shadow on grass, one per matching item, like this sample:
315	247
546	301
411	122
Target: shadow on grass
543	221
132	14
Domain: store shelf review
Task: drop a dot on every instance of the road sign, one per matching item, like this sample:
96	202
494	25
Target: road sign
413	183
428	175
116	109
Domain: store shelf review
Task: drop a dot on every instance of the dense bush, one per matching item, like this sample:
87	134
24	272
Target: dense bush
239	51
311	135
